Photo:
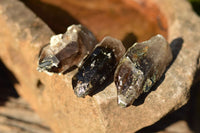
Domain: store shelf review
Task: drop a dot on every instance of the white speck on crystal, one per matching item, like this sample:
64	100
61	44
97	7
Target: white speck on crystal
93	63
109	55
102	79
120	83
55	64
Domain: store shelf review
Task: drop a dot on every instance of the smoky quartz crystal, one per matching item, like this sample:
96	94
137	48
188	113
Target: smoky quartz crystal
66	50
98	68
142	65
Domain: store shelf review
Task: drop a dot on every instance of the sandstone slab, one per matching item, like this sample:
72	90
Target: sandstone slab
22	35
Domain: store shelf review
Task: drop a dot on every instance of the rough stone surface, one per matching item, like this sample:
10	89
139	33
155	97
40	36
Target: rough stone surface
22	37
15	118
15	112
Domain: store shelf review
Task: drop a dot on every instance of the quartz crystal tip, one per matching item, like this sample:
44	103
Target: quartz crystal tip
129	82
81	87
47	63
122	101
81	90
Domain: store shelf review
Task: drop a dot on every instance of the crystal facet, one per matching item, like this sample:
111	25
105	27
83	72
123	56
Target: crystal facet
142	65
98	68
66	50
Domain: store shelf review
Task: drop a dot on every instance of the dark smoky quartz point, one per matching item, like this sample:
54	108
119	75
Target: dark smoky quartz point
97	70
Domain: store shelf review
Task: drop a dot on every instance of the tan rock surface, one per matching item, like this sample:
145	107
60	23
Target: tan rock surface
22	34
16	115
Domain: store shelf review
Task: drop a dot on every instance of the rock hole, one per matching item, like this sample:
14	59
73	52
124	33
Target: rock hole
40	85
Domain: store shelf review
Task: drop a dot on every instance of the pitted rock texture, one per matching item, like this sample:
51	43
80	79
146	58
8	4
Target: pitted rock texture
23	34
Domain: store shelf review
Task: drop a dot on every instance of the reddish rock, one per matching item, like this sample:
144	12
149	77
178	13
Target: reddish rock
23	34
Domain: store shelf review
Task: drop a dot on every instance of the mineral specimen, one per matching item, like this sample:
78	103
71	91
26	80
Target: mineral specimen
66	50
98	68
142	65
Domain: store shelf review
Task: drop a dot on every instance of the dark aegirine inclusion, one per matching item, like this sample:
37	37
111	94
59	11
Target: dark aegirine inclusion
96	71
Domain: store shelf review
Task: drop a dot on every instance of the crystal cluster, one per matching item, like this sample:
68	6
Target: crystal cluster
142	65
66	50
